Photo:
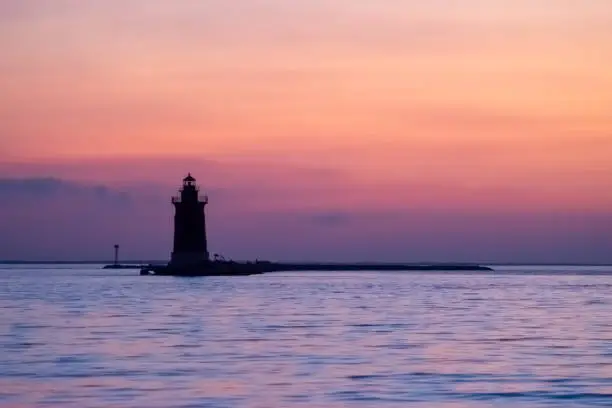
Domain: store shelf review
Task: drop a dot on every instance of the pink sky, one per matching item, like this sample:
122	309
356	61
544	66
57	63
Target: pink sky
477	113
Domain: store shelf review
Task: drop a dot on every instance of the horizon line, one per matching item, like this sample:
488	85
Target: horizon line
146	262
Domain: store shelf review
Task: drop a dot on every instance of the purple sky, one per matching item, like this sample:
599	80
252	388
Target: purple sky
252	215
473	130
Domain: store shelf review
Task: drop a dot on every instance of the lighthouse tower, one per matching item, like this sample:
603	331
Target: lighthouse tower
190	246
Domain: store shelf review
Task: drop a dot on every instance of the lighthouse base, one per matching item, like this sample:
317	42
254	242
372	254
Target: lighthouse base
207	268
184	258
229	268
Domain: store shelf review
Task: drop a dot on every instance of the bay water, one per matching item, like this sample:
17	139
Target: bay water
523	336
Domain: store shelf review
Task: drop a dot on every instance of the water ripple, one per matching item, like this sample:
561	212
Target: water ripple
80	338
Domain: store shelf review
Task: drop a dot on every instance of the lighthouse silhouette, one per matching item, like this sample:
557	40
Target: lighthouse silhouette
190	245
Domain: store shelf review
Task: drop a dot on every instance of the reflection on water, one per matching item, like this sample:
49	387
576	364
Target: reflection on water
77	337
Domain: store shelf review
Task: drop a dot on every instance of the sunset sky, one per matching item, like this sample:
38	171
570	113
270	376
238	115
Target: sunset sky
439	130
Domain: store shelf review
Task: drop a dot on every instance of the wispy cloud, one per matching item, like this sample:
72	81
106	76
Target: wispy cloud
49	188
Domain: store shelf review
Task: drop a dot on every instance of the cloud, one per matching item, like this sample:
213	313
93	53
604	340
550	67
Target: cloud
48	188
419	236
38	186
52	218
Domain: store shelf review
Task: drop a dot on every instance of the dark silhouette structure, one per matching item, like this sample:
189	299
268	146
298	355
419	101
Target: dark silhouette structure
116	262
190	256
190	245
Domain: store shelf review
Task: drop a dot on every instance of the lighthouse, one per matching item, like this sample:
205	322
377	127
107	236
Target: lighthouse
190	253
190	246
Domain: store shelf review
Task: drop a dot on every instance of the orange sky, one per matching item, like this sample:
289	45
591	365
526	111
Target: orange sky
505	97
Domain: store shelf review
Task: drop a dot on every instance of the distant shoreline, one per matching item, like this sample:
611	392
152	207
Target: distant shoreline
160	262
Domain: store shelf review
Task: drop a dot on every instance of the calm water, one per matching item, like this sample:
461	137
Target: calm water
79	337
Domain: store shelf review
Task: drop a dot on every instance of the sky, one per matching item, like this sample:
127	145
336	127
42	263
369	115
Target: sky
391	130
